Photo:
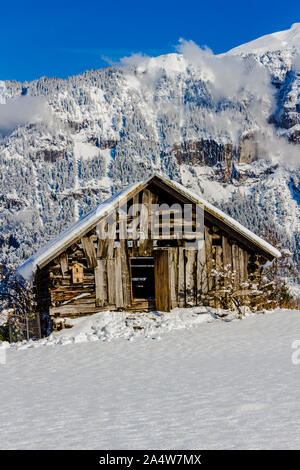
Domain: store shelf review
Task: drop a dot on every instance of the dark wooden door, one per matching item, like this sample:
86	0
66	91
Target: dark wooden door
162	280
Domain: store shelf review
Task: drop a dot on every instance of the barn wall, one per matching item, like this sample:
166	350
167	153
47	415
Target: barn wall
104	267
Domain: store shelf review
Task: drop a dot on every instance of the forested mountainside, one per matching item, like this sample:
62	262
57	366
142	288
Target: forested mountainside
227	126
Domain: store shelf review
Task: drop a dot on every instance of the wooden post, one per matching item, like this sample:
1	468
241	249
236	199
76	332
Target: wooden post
162	280
89	251
190	284
118	279
226	252
173	262
101	283
144	222
64	265
125	270
235	263
241	264
181	277
219	266
102	248
246	261
111	281
201	273
209	257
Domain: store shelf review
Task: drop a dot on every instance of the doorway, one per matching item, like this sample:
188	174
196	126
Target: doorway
142	278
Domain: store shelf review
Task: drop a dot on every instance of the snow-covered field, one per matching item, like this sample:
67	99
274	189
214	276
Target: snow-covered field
179	380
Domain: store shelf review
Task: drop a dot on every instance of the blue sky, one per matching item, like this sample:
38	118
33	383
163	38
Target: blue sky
61	38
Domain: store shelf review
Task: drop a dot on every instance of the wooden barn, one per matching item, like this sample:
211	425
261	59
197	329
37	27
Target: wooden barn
166	258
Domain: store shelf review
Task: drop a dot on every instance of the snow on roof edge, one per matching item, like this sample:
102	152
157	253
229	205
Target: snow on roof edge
28	268
225	218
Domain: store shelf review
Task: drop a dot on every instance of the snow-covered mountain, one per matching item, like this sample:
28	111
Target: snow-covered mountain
227	126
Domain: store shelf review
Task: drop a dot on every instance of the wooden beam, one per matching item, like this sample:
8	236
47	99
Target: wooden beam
201	286
162	280
125	270
181	277
219	268
173	263
227	259
79	309
190	277
144	221
64	265
89	251
118	278
101	283
235	263
209	257
102	248
111	281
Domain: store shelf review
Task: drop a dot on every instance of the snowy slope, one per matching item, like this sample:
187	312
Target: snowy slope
271	42
219	385
227	127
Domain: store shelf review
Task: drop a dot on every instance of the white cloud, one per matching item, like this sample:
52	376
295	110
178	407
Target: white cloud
278	150
21	111
2	92
242	81
296	64
231	77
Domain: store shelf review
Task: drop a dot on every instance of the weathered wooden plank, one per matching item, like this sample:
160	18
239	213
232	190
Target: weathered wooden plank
111	281
190	277
209	257
65	279
64	265
69	294
246	262
241	264
118	278
89	251
227	259
125	269
153	198
201	285
157	277
102	248
235	263
79	309
162	280
144	221
219	259
90	299
173	263
179	223
101	283
142	306
110	248
135	223
219	268
181	277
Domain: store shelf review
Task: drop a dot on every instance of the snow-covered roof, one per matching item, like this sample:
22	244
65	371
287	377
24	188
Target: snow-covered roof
54	246
265	246
27	269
